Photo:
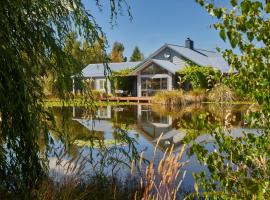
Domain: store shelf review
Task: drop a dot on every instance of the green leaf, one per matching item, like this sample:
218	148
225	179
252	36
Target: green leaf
234	3
222	34
250	36
267	7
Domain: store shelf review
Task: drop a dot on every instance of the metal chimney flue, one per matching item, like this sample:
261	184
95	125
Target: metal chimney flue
189	43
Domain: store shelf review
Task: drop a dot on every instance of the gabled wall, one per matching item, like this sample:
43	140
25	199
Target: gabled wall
175	58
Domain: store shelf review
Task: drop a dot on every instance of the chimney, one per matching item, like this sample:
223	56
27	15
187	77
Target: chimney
189	43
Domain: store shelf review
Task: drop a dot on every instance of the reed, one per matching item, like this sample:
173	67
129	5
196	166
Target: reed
221	93
162	182
178	97
157	180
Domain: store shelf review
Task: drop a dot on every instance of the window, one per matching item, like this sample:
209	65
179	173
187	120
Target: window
102	84
154	69
164	83
92	84
150	86
154	83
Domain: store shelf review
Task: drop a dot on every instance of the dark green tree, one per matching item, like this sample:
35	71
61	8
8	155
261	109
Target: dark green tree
136	55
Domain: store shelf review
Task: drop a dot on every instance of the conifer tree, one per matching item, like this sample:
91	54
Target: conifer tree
136	55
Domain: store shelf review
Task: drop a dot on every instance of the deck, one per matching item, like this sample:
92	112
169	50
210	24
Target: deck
128	99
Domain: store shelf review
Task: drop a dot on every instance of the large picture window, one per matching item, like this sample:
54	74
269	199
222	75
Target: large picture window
150	86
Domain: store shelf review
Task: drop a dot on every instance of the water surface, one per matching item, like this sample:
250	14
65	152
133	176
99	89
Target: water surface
84	128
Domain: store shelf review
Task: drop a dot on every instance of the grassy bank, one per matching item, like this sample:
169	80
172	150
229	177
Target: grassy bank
58	103
221	94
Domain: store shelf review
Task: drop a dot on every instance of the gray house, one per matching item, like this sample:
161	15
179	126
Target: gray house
158	71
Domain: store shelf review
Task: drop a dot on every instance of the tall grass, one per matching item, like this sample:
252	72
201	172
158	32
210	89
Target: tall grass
162	182
159	179
178	97
221	93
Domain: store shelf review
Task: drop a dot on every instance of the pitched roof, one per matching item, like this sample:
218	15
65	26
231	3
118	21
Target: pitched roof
202	57
198	56
97	125
166	65
97	70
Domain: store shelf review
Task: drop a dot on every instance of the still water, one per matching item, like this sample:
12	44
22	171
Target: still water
86	129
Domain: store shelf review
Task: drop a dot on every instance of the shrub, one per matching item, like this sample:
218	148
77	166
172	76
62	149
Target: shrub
221	93
96	94
234	81
200	77
121	80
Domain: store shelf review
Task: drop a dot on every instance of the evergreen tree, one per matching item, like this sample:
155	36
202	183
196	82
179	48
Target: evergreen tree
117	52
136	55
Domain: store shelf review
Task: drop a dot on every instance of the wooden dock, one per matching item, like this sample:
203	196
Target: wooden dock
128	99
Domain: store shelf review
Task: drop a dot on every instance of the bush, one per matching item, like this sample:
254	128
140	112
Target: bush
200	77
234	81
221	93
121	80
96	94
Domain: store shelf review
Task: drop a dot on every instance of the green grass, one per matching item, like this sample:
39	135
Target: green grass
59	103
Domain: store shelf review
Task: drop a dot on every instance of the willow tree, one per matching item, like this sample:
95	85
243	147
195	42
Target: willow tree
32	45
240	168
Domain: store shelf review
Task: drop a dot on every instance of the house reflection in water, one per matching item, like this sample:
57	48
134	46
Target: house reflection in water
98	122
153	125
150	124
145	121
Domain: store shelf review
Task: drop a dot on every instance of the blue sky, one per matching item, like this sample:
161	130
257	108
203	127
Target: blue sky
156	22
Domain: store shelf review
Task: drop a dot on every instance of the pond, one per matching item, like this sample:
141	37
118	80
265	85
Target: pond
87	129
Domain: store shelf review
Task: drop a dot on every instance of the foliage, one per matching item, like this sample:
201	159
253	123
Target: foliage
239	166
117	52
80	56
121	80
234	82
94	53
32	40
221	93
199	77
136	55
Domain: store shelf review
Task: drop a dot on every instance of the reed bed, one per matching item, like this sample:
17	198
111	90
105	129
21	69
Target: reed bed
159	180
162	182
221	93
178	97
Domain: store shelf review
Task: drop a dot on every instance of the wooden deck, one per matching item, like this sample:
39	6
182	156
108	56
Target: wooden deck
128	99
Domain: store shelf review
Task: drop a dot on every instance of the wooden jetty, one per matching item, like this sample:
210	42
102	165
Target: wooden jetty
128	99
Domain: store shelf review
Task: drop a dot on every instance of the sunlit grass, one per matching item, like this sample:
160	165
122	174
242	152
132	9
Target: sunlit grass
178	97
59	103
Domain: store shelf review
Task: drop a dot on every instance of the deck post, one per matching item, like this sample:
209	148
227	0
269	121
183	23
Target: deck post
73	85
